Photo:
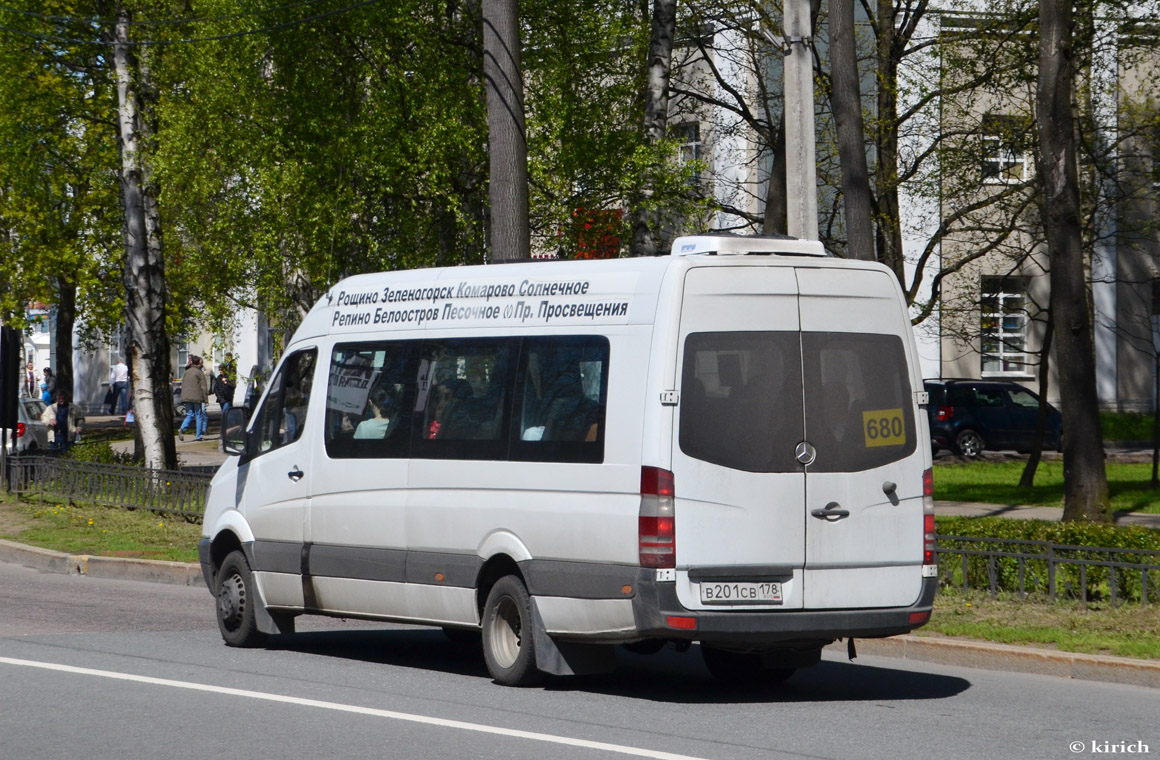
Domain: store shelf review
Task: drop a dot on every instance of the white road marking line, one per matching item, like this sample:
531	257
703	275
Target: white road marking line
390	714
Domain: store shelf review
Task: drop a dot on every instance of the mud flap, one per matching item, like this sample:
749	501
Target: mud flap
271	623
568	658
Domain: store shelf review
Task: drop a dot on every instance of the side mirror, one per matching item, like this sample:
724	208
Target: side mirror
234	430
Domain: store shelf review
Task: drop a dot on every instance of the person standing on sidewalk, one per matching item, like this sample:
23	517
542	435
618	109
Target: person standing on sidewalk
30	385
195	395
119	382
64	420
224	388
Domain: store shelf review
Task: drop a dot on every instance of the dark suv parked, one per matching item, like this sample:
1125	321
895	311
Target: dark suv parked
968	416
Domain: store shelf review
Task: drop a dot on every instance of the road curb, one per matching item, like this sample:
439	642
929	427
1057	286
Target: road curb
118	568
990	656
968	654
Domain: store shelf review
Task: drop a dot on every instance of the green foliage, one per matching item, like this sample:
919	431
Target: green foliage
99	452
1072	540
58	190
1126	426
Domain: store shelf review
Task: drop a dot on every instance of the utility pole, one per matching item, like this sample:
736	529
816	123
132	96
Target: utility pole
801	164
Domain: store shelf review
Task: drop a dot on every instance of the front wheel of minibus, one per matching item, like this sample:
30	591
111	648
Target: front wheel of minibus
508	647
236	598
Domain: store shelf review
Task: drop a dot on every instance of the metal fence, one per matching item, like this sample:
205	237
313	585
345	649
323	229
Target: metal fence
1053	570
180	492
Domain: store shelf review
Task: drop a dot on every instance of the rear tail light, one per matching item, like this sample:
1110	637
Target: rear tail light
928	543
21	429
657	523
945	413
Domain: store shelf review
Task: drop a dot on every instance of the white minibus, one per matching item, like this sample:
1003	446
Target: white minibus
723	446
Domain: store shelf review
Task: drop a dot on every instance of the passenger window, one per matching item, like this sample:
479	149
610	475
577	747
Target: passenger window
741	400
989	397
369	399
463	398
1024	399
282	416
859	409
563	390
961	397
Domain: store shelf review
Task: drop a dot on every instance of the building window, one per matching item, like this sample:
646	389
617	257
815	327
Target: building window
688	137
1004	326
1004	153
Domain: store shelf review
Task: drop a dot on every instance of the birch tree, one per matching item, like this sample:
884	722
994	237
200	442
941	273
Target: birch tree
144	260
656	112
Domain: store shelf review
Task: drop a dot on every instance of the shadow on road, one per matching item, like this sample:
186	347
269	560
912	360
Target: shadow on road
669	676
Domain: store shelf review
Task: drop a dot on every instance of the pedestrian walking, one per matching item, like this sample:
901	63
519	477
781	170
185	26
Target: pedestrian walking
195	395
119	382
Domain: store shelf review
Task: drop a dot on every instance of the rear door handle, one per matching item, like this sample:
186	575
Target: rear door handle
295	474
832	512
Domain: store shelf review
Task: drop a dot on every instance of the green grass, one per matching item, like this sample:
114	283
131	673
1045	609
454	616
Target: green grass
1124	631
104	531
998	483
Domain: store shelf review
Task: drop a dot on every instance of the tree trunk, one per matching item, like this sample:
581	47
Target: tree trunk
145	291
656	116
846	100
890	48
774	220
1085	479
507	143
66	317
1156	426
1027	479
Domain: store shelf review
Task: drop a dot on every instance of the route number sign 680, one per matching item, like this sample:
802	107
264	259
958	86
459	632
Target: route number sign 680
884	427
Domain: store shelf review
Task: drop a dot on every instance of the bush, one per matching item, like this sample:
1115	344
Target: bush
1126	426
1043	568
100	452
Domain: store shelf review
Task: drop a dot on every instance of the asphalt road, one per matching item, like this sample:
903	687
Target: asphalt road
98	668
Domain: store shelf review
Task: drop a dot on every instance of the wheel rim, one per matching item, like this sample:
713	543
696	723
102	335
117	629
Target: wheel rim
504	632
970	445
232	602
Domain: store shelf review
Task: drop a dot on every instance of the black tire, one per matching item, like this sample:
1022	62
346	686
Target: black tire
508	646
236	601
970	444
741	669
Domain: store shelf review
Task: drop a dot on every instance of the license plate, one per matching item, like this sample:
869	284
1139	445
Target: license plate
740	593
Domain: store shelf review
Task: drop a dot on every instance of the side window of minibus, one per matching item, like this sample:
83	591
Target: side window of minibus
463	399
562	389
369	398
282	416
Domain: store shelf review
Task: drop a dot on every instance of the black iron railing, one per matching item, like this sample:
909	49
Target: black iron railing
178	492
1025	567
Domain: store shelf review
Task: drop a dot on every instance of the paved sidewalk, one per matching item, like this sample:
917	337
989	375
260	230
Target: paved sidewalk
974	509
